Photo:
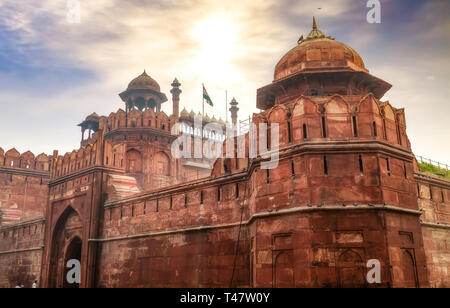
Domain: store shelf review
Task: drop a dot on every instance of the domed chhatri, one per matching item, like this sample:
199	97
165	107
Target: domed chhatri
142	93
143	82
318	52
312	67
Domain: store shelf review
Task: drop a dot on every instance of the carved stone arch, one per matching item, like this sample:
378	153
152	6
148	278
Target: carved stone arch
350	269
134	118
12	158
278	114
133	161
409	269
298	108
111	121
68	226
374	105
121	118
389	112
283	269
309	106
337	104
149	118
27	160
162	165
163	120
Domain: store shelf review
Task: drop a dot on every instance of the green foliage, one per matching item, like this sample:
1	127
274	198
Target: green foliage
426	167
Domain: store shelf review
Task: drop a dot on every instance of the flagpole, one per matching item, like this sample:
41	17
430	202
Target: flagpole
203	102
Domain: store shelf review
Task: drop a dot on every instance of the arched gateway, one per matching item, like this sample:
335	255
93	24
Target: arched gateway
66	245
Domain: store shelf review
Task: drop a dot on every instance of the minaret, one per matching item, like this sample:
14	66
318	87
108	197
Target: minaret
234	109
176	97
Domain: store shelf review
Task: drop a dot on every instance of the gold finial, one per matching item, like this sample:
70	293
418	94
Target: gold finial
314	23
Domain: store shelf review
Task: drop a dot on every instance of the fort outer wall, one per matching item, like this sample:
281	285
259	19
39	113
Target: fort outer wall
23	195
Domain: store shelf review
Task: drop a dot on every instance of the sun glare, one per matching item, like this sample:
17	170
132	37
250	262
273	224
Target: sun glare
216	39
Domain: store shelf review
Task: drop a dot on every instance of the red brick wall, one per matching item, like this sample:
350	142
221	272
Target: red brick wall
434	201
21	249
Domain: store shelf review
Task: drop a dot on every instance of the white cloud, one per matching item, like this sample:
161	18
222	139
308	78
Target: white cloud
116	40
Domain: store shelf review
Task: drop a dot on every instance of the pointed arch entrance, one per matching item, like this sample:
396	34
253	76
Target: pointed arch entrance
66	244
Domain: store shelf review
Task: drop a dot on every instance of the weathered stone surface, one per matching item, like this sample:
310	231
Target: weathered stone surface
346	190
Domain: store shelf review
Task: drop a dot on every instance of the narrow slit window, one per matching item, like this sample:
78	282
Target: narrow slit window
374	126
267	175
171	202
405	174
237	190
157	205
325	165
305	132
442	195
324	131
289	131
185	200
388	167
292	168
361	167
431	193
201	197
418	191
384	129
218	194
355	127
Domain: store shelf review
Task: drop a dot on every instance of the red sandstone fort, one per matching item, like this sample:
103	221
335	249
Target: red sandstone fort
347	189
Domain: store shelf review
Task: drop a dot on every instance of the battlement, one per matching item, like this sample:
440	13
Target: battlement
76	160
136	118
27	160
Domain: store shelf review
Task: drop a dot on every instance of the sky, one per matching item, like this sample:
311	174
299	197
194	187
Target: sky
53	73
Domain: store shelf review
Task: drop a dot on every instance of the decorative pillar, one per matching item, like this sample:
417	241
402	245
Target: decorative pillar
176	97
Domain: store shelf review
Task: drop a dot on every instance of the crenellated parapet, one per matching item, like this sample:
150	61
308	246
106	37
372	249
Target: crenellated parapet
13	159
76	160
138	119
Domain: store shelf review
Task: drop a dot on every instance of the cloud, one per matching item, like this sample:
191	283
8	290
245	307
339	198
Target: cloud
117	40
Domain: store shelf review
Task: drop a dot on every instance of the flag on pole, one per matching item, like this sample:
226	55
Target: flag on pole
206	97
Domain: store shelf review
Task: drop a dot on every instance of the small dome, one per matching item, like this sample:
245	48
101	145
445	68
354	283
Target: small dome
317	52
93	117
144	82
184	113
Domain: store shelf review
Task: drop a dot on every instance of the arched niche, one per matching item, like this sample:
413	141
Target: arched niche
134	161
161	164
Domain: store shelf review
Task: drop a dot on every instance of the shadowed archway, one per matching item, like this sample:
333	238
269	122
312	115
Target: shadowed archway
65	245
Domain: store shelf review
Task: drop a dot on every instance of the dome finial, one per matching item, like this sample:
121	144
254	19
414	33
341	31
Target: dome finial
315	33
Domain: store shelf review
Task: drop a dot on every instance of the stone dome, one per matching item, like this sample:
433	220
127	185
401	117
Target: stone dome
144	82
318	52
